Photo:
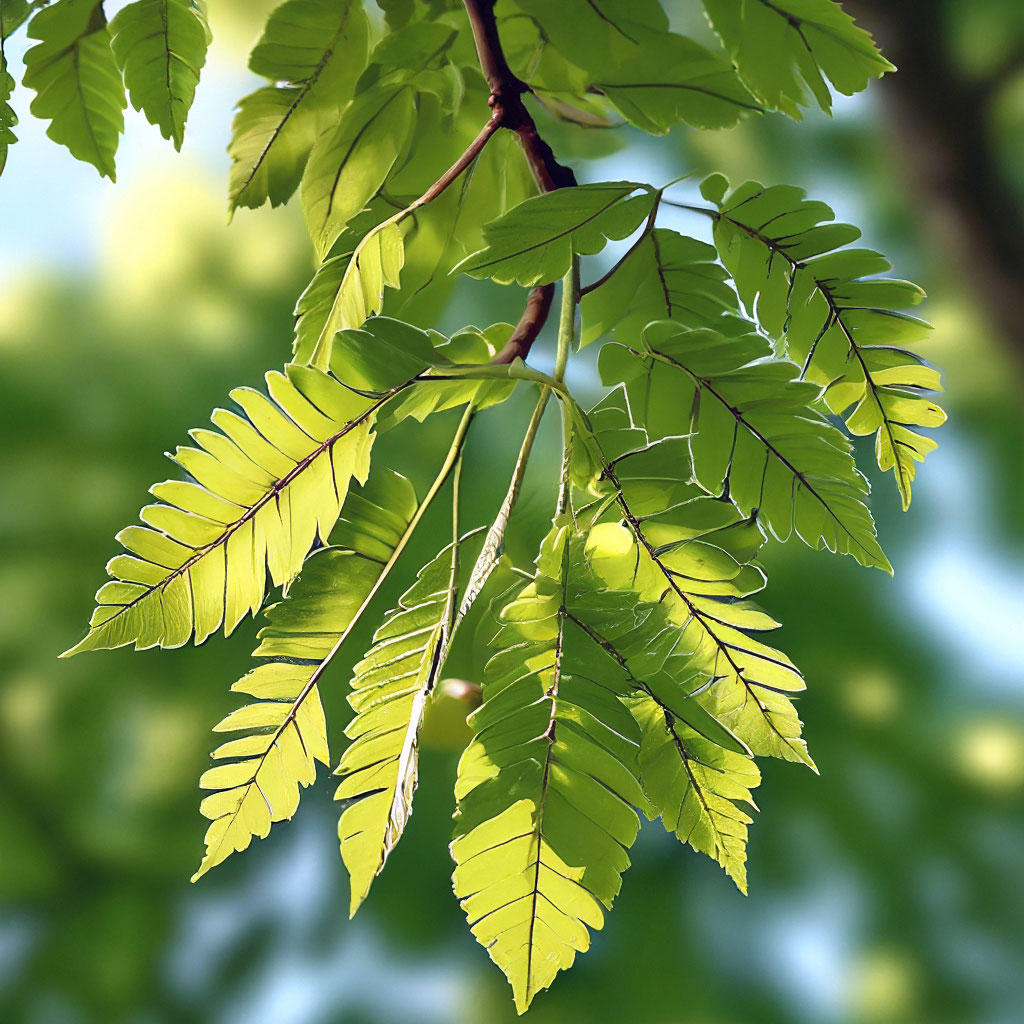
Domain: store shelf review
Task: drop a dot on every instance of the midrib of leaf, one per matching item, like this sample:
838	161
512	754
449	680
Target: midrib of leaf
306	86
703	382
616	655
551	694
684	86
167	64
798	23
604	17
685	758
450	461
355	142
444	631
552	238
80	93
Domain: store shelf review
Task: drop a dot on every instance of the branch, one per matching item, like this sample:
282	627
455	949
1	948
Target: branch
510	112
456	169
538	305
507	98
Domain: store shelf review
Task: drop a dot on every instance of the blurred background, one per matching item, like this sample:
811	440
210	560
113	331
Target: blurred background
886	890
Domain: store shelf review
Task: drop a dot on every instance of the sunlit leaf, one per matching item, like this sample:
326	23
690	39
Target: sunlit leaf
697	788
390	691
669	542
835	316
785	49
535	242
349	163
285	734
313	51
546	789
160	45
77	82
264	487
754	436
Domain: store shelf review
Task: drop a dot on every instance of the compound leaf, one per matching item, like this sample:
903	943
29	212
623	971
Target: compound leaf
670	543
753	432
834	315
285	734
546	788
264	486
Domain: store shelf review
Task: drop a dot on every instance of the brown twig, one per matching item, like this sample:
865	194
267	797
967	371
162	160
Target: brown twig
506	102
538	305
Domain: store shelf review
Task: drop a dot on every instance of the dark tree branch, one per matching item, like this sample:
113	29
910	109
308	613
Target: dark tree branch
946	138
510	112
507	98
538	305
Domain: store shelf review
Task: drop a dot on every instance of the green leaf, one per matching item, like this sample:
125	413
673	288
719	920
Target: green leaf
834	316
349	163
696	787
668	542
77	82
314	52
160	45
675	79
286	733
785	49
14	13
651	651
346	290
598	34
667	276
264	487
385	352
546	788
534	243
754	434
8	119
391	688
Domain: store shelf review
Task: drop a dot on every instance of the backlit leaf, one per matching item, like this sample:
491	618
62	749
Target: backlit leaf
697	788
534	243
313	51
391	688
835	317
754	436
349	163
160	45
77	82
285	734
785	49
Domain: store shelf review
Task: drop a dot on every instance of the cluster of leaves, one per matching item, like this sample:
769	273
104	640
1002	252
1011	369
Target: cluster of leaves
629	671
